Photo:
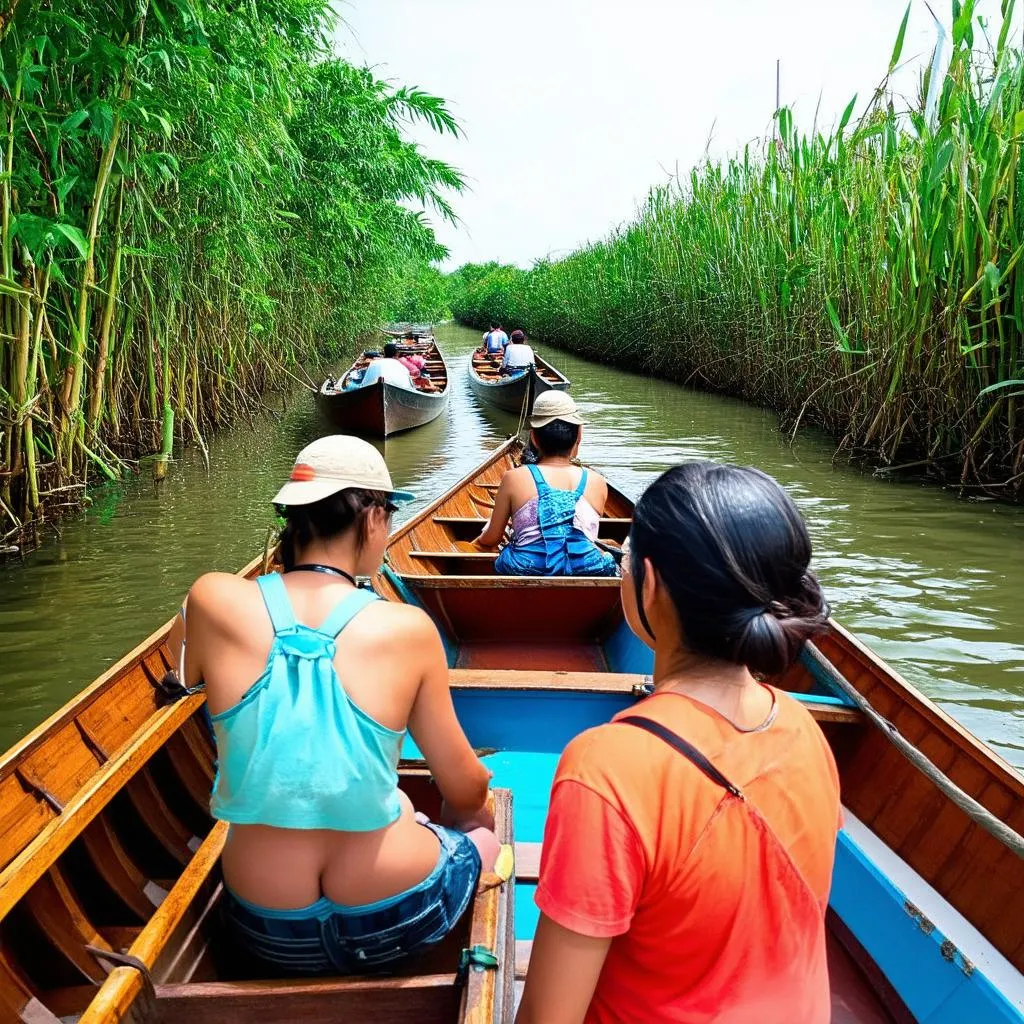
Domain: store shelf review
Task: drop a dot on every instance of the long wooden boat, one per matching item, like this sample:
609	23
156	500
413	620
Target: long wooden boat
109	880
926	918
383	409
512	393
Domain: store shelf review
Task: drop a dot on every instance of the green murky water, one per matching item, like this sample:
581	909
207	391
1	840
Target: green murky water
934	584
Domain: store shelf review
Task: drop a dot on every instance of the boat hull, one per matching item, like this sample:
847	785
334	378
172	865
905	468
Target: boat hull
380	410
513	394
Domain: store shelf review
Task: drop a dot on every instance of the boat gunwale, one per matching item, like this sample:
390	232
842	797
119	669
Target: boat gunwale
540	361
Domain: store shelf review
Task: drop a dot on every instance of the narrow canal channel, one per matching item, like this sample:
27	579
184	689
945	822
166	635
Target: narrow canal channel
933	584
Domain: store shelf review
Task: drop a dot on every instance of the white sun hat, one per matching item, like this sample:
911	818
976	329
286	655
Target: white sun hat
554	405
335	463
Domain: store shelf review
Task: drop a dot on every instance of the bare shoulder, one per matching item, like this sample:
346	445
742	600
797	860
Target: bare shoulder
219	595
396	621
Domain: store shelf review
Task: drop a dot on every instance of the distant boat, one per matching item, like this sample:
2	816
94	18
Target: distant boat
510	392
383	409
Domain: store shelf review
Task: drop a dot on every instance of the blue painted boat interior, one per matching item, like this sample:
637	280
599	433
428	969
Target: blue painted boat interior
940	967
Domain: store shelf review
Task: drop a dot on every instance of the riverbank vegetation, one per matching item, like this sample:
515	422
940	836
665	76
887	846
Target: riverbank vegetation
194	196
868	279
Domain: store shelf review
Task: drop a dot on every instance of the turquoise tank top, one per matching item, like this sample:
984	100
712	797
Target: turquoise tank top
295	752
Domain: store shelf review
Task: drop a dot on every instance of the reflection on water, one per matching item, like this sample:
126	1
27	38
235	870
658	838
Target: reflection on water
933	584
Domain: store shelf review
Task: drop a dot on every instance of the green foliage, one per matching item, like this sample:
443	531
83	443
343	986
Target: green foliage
868	279
422	297
193	195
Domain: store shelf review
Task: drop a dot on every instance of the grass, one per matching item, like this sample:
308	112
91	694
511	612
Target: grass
867	278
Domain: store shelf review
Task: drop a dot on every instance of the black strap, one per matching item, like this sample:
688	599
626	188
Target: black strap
690	752
327	570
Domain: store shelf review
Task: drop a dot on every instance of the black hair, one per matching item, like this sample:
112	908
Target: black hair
390	350
328	518
733	552
557	437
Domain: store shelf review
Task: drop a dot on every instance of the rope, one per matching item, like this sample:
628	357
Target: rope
979	814
525	411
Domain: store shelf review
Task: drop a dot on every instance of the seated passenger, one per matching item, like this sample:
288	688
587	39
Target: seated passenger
555	507
387	368
414	364
518	355
689	843
495	341
312	685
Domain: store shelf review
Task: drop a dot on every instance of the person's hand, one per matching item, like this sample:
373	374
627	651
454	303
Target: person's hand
483	818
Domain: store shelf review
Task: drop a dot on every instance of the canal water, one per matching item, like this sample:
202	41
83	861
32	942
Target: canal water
932	583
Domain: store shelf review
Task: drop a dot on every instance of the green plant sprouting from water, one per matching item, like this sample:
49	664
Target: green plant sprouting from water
868	278
194	194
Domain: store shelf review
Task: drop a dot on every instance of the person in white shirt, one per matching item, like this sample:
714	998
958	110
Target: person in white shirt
389	369
518	355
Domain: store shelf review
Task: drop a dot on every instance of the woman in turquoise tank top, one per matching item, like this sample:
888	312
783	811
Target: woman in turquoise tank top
312	685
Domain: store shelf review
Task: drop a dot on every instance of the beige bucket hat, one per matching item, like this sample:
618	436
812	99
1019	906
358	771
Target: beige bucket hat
335	463
554	405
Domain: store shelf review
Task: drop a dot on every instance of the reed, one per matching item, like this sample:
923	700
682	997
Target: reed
192	196
866	278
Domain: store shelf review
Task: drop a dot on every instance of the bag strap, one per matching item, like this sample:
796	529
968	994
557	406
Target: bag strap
345	611
275	597
690	752
582	486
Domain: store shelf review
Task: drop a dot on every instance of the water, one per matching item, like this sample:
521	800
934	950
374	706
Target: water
933	584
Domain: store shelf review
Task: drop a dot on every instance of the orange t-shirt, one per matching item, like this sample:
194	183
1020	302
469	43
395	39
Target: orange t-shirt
715	904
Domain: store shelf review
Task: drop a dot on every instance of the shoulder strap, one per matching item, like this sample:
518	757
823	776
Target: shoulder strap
345	611
538	478
583	484
690	752
275	597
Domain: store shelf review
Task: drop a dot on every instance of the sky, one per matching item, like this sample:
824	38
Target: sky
573	109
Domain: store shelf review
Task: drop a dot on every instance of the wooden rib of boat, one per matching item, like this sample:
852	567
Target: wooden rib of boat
383	409
926	917
109	880
511	393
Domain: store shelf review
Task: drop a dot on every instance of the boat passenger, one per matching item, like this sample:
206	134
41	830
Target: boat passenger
555	506
414	364
689	843
387	368
518	355
495	341
326	867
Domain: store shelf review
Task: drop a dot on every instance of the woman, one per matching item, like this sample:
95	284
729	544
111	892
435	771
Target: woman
312	684
555	506
689	883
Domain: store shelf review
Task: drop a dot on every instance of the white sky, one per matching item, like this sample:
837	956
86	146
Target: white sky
572	109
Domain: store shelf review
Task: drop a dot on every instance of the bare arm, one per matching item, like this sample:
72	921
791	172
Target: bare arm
492	533
559	954
461	776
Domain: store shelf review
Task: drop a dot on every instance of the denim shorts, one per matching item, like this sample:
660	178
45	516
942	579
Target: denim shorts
329	938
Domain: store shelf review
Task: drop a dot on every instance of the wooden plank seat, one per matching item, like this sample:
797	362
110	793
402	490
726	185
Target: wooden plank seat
822	708
185	957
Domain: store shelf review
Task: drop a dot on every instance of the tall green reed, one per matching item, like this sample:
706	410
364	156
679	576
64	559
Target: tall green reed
868	279
194	195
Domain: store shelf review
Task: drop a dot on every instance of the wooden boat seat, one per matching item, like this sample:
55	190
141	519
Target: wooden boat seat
825	710
176	949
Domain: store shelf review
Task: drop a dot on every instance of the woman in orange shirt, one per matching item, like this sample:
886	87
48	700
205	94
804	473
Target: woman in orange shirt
689	843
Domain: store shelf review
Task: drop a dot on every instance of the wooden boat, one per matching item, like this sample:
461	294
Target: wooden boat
383	409
926	918
512	393
109	884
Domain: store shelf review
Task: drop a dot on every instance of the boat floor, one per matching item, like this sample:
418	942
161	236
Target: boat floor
537	656
853	999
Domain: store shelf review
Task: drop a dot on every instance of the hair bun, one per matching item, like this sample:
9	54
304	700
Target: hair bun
773	636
